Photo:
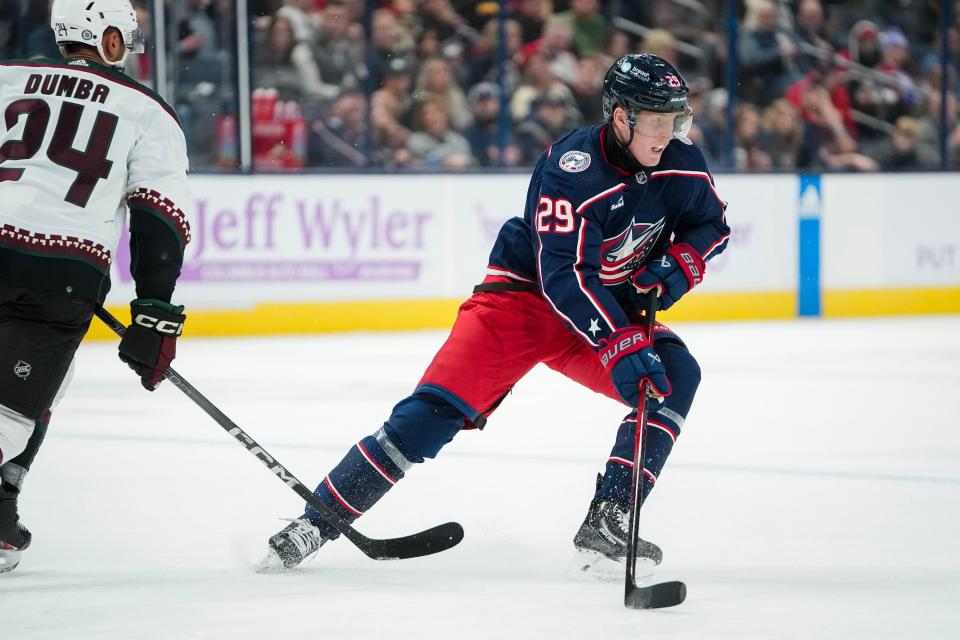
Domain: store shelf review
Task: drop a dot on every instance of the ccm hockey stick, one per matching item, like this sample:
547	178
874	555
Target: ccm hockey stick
664	594
434	540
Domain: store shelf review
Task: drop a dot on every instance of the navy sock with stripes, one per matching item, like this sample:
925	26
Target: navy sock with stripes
362	477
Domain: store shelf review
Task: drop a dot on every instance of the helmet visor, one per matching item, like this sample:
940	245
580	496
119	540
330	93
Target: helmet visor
135	40
652	124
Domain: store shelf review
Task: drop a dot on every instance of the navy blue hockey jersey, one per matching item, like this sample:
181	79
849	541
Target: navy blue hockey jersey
588	225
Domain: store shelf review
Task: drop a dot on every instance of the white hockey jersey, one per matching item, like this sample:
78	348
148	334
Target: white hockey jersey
79	143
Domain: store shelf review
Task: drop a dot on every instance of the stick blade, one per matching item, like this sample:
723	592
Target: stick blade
656	596
425	543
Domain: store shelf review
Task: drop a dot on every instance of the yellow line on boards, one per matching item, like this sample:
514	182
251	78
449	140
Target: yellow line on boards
887	302
407	315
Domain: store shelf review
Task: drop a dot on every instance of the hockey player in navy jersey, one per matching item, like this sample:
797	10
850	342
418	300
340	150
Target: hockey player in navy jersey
613	211
83	143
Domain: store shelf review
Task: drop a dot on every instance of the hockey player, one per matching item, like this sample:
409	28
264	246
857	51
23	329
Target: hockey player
613	211
79	144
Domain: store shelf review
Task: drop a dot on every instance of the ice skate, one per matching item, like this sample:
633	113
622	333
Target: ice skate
10	550
290	547
601	544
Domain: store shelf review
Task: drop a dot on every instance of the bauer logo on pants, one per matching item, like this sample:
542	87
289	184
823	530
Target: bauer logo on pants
22	369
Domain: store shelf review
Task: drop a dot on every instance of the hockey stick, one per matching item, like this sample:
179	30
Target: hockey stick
434	540
664	594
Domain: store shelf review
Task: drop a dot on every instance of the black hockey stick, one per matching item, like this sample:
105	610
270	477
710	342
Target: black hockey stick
664	594
434	540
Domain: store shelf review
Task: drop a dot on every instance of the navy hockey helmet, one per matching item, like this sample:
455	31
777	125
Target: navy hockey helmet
645	82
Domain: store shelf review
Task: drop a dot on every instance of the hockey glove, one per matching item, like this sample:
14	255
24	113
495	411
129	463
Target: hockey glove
677	271
630	359
150	342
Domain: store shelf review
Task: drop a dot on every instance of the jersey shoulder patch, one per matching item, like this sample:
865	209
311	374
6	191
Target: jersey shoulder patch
574	161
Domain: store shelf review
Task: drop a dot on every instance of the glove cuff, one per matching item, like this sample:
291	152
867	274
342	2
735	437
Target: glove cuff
690	261
622	343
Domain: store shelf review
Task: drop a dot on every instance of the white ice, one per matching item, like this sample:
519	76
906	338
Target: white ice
814	493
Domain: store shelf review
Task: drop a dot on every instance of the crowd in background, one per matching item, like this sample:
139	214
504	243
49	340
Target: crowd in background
822	85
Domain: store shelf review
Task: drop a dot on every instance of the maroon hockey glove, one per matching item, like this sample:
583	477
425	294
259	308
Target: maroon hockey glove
677	271
630	359
149	344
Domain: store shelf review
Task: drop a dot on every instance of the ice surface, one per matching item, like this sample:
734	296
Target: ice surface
814	493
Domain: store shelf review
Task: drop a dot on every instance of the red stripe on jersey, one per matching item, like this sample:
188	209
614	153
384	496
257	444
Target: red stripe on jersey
600	196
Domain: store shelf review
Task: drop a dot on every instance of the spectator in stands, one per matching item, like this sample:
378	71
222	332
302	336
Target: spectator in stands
530	15
198	33
554	46
337	140
9	16
810	30
485	55
826	142
661	42
931	61
710	122
930	125
620	45
551	116
436	79
748	154
434	145
484	133
390	107
864	44
824	74
768	56
537	80
39	41
339	47
591	30
896	62
904	149
588	86
782	136
440	17
288	65
389	41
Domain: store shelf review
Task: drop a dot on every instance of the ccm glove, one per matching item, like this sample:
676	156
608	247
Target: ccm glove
677	271
150	342
630	359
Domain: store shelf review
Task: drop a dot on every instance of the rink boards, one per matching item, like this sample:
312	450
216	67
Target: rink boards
313	253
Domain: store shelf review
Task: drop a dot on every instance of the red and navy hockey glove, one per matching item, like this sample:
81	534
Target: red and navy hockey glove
677	271
629	358
150	342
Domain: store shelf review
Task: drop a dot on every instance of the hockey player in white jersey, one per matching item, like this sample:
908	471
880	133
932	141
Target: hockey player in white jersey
80	144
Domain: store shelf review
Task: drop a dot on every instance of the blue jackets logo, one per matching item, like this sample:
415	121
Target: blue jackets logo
575	161
627	250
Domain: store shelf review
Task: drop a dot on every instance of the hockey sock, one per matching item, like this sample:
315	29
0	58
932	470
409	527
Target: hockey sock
419	426
663	427
16	469
364	476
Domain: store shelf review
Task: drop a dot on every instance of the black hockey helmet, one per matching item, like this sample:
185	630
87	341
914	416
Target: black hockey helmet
643	82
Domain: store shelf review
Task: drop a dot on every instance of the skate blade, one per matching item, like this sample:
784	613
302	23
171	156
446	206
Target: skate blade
9	559
271	563
590	566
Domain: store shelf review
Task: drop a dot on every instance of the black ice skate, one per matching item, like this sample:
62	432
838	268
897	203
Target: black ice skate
14	537
291	546
601	543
